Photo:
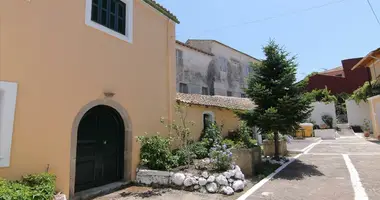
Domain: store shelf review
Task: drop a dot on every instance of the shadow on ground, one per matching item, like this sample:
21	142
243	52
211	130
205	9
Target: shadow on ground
375	141
298	170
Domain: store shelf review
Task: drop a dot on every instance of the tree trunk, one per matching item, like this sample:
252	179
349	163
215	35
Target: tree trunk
276	147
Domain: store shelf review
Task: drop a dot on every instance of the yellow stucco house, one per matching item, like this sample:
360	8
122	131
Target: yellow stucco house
78	81
219	109
372	60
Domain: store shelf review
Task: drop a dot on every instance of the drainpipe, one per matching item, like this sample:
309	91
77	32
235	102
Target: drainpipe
169	74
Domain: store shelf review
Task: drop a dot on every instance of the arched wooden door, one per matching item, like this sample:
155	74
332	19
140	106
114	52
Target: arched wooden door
100	148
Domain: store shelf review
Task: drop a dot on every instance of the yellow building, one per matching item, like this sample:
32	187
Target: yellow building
219	109
79	80
372	60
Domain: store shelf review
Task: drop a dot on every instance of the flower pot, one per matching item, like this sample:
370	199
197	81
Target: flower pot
378	137
366	134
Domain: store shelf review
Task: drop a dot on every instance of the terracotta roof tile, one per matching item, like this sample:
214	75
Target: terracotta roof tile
234	103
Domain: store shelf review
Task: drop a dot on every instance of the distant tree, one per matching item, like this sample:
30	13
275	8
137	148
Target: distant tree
281	105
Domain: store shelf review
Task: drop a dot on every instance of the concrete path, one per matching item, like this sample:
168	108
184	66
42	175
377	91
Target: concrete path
300	145
342	169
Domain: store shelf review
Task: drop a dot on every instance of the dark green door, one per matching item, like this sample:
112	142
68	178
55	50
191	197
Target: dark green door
100	148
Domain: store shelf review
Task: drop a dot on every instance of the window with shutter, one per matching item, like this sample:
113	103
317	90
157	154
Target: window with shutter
111	16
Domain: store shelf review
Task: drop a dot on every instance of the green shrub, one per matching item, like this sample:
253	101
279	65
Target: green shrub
184	155
229	143
320	95
155	152
270	136
366	91
211	135
30	187
328	120
199	149
245	135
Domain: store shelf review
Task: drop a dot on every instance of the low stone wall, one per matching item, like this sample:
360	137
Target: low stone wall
247	159
325	134
227	183
149	177
269	148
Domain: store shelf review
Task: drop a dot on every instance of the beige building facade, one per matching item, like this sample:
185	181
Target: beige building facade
77	83
372	61
218	109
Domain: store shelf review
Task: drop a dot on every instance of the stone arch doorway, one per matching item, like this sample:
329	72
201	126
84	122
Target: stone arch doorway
100	146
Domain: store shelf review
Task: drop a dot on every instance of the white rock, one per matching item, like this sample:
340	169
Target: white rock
221	180
206	161
238	185
202	181
196	187
239	175
203	190
237	168
196	177
212	187
188	182
230	180
59	196
229	173
178	178
227	190
205	174
211	179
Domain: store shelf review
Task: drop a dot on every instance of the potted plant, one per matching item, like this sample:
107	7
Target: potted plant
366	128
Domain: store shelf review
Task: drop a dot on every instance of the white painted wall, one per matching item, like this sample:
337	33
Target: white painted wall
321	109
357	113
8	94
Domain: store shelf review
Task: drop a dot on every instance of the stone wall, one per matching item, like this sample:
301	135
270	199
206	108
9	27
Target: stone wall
227	183
269	148
247	159
225	71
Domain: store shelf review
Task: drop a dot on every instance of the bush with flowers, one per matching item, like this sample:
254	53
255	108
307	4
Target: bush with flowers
221	157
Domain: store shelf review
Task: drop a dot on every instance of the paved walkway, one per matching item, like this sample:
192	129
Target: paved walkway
342	169
300	145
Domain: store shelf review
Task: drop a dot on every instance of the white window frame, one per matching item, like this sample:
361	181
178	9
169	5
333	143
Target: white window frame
208	113
8	95
128	37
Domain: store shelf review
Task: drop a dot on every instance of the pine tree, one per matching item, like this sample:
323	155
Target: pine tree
281	105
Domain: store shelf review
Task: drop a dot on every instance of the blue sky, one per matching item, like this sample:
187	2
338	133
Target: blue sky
320	37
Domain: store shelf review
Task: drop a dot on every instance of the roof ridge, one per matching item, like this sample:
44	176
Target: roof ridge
213	40
162	9
194	48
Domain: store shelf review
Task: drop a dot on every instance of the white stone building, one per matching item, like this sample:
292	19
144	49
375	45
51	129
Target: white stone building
211	68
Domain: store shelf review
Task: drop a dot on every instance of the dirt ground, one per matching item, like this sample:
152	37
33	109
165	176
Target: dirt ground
139	193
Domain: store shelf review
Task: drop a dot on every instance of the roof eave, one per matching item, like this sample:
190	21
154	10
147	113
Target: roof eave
162	10
367	59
